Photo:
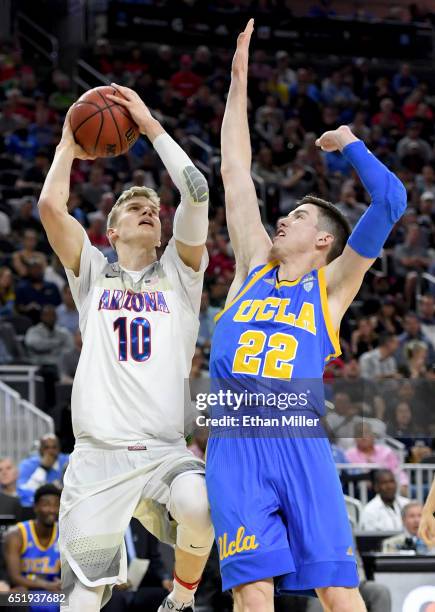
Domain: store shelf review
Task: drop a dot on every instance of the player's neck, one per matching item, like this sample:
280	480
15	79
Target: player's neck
135	260
296	266
43	532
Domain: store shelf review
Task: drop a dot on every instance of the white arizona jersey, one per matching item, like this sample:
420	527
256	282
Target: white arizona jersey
138	343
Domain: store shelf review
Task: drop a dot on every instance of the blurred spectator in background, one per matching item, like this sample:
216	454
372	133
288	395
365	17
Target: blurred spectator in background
425	182
47	466
28	255
380	362
46	342
9	506
13	351
342	418
426	313
97	231
67	314
387	319
364	337
94	188
63	96
348	204
414	365
413	332
185	82
33	178
55	272
33	293
404	82
25	220
412	150
384	511
366	451
8	485
7	292
408	539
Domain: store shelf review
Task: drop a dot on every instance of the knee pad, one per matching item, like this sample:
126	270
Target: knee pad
189	506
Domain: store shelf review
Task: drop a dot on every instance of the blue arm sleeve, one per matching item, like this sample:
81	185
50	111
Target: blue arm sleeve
388	201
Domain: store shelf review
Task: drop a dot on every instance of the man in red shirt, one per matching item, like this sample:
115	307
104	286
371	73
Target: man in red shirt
185	82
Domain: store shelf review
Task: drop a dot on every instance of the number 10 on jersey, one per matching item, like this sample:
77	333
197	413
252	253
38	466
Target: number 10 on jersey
134	338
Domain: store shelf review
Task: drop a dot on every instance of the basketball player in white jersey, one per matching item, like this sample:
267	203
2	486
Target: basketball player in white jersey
139	322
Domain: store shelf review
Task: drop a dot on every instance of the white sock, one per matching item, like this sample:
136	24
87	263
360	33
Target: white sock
181	594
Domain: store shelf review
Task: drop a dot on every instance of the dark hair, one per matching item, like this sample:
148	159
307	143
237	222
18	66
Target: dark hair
331	219
47	489
385	338
377	475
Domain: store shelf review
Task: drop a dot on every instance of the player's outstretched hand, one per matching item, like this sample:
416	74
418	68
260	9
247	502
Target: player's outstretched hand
336	140
67	140
426	529
134	104
241	56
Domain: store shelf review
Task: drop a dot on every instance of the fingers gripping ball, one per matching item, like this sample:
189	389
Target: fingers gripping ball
102	127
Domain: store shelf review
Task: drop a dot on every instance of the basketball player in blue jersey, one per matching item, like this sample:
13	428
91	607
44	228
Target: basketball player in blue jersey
32	551
276	501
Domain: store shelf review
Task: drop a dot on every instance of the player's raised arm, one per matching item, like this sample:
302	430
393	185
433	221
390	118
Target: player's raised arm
249	239
191	217
345	274
64	233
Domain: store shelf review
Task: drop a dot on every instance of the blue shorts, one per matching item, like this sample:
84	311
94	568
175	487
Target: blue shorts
278	511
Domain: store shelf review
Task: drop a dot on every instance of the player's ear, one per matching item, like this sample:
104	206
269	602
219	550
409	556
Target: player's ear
324	239
111	235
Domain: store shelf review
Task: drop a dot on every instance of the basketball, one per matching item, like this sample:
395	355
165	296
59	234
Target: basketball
102	127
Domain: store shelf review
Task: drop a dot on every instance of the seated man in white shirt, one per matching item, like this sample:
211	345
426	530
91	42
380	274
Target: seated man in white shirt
384	511
408	539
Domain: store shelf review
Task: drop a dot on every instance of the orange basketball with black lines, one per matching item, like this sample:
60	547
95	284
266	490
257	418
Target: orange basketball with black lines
101	127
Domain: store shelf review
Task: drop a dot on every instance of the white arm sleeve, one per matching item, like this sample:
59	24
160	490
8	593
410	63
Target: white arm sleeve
191	216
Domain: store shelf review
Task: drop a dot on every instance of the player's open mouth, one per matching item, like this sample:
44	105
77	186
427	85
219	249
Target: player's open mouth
280	234
146	222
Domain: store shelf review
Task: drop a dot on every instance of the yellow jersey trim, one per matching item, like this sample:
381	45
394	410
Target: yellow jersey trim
254	279
286	283
332	333
36	539
23	532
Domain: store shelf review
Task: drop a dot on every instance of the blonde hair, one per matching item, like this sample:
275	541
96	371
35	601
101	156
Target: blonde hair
129	194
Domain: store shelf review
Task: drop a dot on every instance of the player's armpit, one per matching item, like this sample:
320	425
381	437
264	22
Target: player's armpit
344	277
64	233
238	280
249	239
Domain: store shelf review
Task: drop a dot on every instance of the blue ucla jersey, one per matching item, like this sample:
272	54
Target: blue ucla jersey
274	330
267	483
38	561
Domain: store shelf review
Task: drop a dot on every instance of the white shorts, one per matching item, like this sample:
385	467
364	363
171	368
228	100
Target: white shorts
103	489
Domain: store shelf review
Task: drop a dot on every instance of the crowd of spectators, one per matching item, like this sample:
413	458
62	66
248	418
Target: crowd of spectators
386	374
367	10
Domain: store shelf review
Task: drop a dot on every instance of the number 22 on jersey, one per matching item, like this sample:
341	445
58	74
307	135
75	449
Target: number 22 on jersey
280	349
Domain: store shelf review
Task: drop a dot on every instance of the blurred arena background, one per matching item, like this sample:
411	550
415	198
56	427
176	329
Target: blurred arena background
314	65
